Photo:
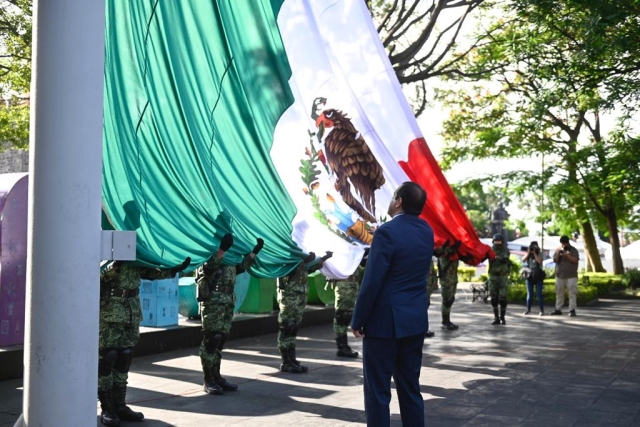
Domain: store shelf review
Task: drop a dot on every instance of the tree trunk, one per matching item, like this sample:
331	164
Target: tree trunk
612	227
593	261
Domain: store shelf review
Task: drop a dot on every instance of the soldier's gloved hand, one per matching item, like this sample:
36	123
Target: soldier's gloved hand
178	268
226	242
258	247
466	258
309	257
456	245
327	255
446	244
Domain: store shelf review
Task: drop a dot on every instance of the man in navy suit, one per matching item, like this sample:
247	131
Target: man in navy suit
391	310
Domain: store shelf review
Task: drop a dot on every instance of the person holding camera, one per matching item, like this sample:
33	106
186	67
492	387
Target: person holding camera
566	258
536	276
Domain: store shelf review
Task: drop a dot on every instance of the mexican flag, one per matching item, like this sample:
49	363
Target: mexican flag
275	119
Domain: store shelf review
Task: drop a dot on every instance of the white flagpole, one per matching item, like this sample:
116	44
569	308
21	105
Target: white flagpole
61	333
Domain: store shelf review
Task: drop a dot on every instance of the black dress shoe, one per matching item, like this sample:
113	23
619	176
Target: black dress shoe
526	312
572	313
556	312
429	334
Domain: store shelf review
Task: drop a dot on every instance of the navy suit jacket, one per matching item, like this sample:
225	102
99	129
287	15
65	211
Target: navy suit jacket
392	302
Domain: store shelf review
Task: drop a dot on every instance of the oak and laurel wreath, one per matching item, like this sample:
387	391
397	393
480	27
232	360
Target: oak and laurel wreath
310	173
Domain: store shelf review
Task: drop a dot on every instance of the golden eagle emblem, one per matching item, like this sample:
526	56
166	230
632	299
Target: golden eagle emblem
349	158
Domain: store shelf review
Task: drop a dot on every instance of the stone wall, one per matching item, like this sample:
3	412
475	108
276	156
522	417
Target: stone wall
12	161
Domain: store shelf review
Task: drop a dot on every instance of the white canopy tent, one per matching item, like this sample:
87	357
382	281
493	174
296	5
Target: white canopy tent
631	251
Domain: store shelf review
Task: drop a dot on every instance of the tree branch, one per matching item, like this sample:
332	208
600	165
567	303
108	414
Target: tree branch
415	47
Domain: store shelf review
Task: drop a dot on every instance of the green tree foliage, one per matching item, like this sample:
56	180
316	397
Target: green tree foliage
421	39
14	126
15	71
538	86
479	201
15	45
606	34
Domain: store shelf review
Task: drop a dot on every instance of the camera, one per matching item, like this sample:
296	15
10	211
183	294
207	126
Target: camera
560	252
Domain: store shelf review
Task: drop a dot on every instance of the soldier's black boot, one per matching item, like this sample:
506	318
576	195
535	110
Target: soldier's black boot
108	417
446	323
496	318
124	412
210	386
343	347
226	386
503	310
292	357
287	364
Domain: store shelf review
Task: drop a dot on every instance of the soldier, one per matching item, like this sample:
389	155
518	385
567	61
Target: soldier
499	268
448	275
120	316
216	293
292	299
432	286
346	294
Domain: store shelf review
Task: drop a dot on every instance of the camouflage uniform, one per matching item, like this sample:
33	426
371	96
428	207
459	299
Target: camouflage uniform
346	294
216	292
498	281
432	286
432	280
120	316
448	275
292	299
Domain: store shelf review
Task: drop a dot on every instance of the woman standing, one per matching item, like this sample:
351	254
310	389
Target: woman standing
534	262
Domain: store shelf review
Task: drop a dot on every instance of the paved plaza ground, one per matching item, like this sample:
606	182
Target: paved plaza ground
535	371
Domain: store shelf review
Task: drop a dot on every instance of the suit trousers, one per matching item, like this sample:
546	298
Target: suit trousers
400	358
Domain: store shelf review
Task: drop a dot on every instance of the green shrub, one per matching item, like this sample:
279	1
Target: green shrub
551	272
516	268
585	294
518	293
631	278
484	277
625	294
466	274
606	283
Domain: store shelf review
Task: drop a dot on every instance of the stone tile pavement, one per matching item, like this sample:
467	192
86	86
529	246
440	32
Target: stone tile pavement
535	371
